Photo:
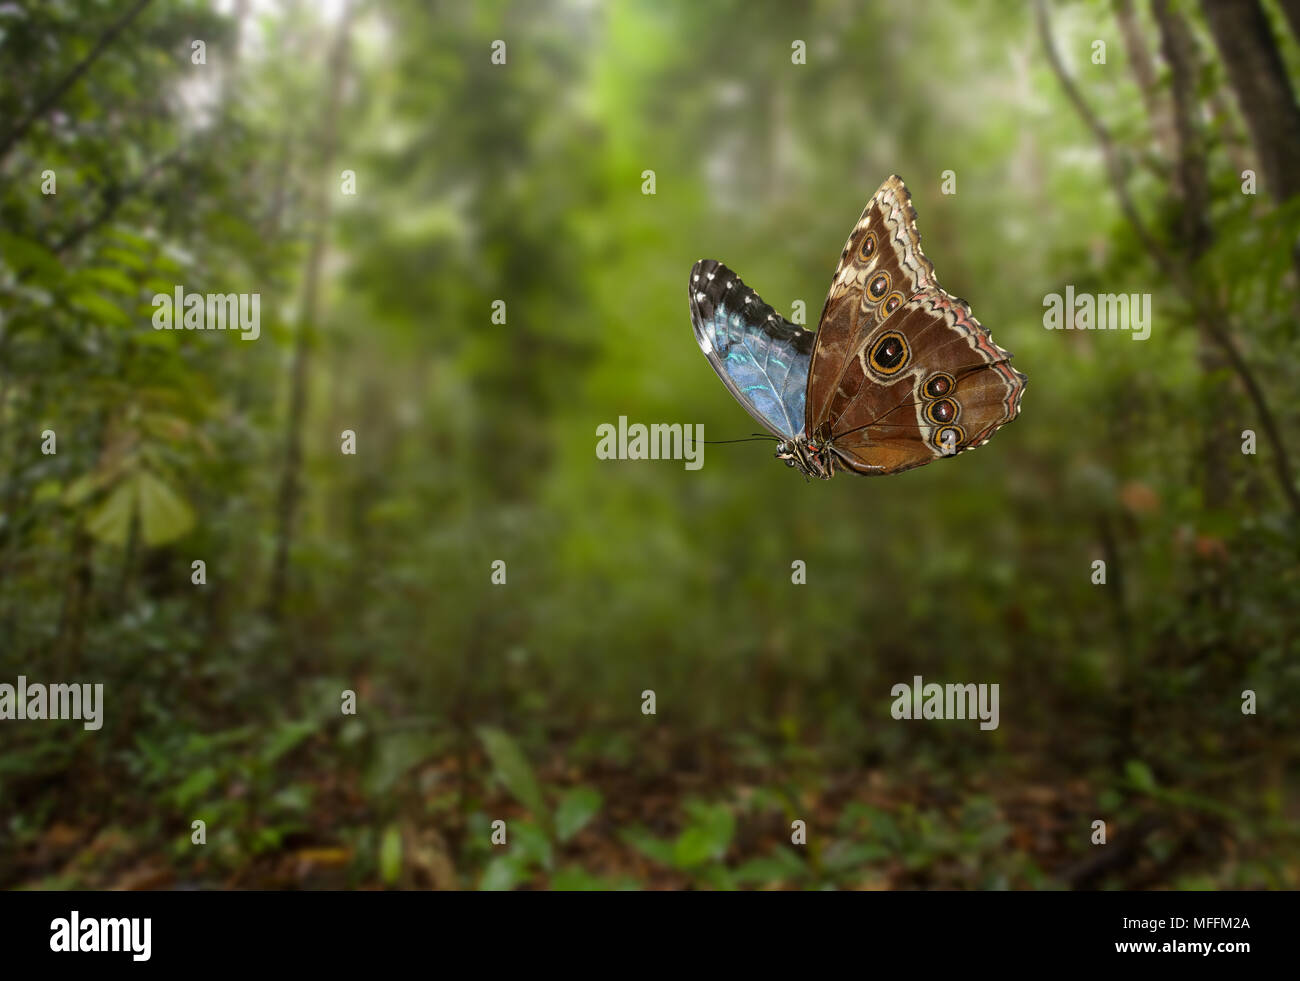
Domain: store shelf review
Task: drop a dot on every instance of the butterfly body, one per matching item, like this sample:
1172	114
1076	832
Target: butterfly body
809	457
899	372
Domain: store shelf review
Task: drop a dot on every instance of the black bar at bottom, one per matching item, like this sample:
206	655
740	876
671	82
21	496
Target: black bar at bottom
337	930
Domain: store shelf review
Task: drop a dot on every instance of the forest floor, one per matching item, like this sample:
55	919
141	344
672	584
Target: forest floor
686	815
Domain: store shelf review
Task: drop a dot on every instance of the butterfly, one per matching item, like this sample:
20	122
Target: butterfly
898	374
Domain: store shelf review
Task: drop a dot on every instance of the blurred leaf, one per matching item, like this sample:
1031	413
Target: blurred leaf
648	845
396	753
294	799
111	521
124	257
20	253
843	855
47	490
164	517
111	279
781	866
100	310
708	836
529	844
502	873
390	855
578	806
285	737
1140	775
195	786
512	769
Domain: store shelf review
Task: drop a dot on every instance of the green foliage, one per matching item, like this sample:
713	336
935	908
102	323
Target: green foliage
531	845
510	766
578	805
390	855
700	847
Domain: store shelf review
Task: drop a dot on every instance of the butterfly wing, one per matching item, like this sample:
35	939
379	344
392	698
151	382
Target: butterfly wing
880	269
902	373
759	355
925	383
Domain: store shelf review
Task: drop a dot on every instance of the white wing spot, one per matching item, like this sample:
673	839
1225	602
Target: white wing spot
699	297
710	275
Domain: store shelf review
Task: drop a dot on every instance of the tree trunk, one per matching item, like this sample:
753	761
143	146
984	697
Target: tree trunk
1192	182
319	210
78	602
1144	71
1241	32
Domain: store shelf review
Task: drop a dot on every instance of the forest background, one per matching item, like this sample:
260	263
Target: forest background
382	174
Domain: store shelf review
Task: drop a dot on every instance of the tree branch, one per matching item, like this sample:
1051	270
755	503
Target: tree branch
1144	71
1116	167
290	478
52	97
114	198
1195	233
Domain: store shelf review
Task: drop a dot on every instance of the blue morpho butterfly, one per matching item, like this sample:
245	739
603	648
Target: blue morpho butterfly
898	373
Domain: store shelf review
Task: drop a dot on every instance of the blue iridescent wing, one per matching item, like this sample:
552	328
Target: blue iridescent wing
759	355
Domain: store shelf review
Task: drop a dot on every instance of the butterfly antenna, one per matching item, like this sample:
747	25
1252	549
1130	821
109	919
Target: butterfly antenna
751	439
